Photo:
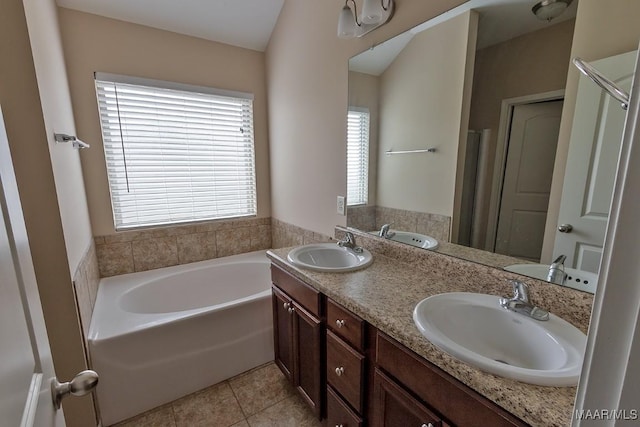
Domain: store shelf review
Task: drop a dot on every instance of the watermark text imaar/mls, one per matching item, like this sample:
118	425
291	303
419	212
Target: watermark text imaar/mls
606	414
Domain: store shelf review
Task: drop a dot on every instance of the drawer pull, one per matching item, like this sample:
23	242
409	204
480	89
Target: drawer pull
339	323
340	371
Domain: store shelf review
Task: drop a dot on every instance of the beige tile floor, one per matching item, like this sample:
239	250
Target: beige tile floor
261	397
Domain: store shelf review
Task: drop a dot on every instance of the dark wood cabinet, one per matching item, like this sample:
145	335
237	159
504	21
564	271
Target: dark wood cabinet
298	338
395	407
357	376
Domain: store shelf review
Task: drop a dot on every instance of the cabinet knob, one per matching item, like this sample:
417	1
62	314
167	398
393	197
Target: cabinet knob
286	305
340	371
339	425
339	323
427	425
291	310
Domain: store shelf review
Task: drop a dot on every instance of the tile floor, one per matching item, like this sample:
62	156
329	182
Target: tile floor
261	397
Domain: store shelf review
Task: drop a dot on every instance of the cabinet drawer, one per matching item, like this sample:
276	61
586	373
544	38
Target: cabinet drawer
339	413
303	294
454	400
345	368
345	324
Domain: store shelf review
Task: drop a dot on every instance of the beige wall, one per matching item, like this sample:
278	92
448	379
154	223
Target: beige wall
533	63
421	104
93	43
602	29
364	93
307	76
34	103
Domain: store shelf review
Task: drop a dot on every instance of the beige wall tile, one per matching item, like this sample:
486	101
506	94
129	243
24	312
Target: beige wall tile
261	237
233	241
196	247
115	259
154	253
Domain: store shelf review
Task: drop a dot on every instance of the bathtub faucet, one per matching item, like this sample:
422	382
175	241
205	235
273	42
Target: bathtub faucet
349	241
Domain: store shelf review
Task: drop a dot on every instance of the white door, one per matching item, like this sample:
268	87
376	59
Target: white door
594	148
527	179
26	368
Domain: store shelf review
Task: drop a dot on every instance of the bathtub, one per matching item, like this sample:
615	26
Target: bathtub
158	335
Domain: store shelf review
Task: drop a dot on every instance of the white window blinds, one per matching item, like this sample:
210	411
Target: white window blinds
357	156
176	153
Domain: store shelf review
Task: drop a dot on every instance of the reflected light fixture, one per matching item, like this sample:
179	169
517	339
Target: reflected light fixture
547	10
374	14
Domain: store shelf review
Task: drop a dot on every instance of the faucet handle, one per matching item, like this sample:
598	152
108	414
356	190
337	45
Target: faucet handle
520	290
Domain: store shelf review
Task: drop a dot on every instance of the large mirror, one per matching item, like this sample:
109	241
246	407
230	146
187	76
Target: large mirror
462	117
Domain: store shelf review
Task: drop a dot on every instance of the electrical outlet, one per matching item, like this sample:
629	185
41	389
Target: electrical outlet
340	205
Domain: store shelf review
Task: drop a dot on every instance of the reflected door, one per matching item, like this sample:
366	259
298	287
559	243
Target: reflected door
533	140
26	368
594	148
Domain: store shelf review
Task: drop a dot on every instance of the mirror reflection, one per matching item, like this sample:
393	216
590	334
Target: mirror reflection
462	139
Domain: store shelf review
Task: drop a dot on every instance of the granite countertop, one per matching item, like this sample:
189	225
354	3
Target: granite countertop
385	293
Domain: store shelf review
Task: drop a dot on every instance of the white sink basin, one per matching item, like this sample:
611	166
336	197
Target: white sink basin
576	279
477	330
414	239
329	257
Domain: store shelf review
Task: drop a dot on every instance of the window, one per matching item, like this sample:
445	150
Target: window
176	153
357	156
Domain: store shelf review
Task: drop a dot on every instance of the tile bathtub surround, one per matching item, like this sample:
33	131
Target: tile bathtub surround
148	249
362	217
433	225
85	282
370	218
285	235
385	294
257	398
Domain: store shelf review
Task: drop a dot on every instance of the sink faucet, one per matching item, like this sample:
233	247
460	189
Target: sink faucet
349	241
384	232
556	271
520	302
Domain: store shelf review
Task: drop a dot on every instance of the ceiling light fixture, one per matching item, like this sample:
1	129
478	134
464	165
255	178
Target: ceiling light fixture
374	14
547	10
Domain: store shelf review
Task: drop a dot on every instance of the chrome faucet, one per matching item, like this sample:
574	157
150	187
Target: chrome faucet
349	241
384	232
556	272
520	302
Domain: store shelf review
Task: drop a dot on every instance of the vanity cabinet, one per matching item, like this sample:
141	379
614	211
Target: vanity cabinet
395	407
298	336
346	367
402	377
356	376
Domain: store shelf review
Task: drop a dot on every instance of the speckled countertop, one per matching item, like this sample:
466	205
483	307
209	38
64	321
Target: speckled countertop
385	293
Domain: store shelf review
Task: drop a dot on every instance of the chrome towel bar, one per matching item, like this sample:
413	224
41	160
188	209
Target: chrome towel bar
426	150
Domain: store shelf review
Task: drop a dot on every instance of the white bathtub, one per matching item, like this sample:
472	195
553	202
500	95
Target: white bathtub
158	335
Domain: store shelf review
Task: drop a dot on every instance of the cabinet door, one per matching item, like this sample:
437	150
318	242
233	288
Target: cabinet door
394	407
307	333
283	333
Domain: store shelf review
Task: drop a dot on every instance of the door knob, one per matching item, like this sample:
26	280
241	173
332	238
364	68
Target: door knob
565	228
80	385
